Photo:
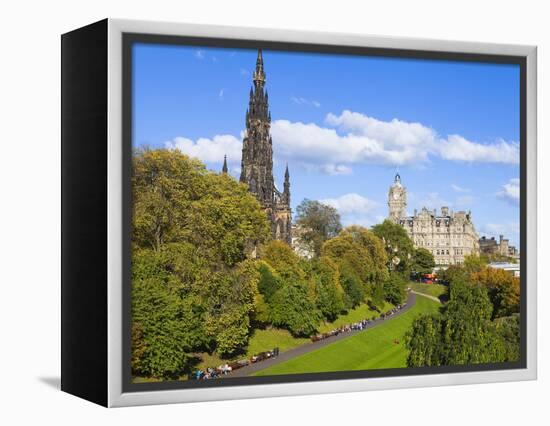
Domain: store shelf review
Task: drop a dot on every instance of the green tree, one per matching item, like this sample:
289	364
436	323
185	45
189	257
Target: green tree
176	200
424	341
283	260
462	335
230	297
354	292
474	263
394	289
166	327
319	222
508	329
399	247
193	288
503	288
423	261
328	290
291	308
269	281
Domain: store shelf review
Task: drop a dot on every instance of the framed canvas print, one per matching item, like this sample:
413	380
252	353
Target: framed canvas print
251	212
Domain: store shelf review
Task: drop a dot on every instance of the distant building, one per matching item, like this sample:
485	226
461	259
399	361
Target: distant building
450	236
491	246
512	268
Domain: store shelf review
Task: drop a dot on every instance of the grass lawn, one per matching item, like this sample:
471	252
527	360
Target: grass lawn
264	340
371	349
359	313
435	290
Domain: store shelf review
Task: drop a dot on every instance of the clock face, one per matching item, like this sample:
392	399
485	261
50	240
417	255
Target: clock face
396	195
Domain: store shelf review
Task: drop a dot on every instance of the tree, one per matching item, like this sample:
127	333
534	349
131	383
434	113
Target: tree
508	329
394	289
462	335
193	288
283	260
230	299
176	200
423	261
165	327
319	222
424	341
361	259
269	281
359	252
474	263
503	288
354	292
292	309
328	290
398	245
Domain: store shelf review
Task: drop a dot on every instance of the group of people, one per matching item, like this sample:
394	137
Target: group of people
360	325
227	368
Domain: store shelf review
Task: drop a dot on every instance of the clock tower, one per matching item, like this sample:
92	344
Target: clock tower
397	200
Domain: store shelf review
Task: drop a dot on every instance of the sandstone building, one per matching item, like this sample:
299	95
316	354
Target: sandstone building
450	236
501	247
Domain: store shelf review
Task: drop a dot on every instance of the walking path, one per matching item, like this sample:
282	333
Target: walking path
312	346
428	296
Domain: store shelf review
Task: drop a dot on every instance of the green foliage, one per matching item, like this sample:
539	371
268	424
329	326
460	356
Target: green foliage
176	200
318	222
284	260
508	329
354	294
503	290
423	261
394	289
230	297
454	273
362	260
165	326
269	281
329	292
399	247
292	309
192	287
424	341
358	251
463	334
473	263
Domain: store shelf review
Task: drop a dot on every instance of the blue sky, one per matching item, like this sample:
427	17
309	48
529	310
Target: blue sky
345	125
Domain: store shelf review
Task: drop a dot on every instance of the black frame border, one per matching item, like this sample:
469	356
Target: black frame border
129	39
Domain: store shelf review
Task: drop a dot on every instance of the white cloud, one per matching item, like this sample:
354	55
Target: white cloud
352	138
220	94
199	54
457	148
209	150
510	192
244	72
335	169
304	101
354	209
459	188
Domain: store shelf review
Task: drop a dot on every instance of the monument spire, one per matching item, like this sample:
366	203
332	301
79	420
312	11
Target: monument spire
224	168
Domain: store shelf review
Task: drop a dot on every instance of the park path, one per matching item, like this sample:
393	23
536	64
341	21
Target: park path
312	346
428	296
